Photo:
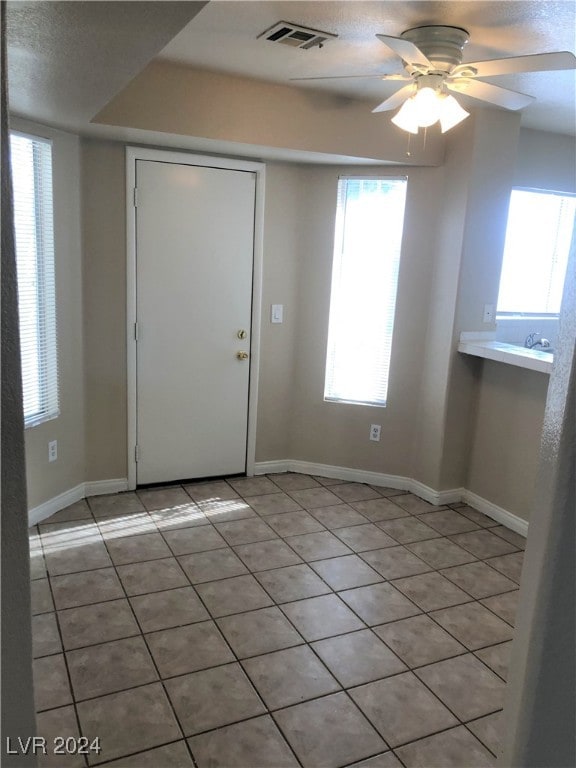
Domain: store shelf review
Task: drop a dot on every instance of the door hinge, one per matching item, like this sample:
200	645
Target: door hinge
136	453
135	331
135	197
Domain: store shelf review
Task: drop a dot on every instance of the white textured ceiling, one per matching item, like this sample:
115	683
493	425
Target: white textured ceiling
223	37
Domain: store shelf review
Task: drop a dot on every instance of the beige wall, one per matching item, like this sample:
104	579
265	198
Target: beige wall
104	244
48	479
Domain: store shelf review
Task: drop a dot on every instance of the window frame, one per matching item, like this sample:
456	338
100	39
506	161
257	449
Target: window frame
519	315
47	353
338	232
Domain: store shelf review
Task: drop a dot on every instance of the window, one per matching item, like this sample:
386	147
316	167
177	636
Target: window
538	237
33	222
368	236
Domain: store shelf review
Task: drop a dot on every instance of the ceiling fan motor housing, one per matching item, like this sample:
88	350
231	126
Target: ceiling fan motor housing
443	46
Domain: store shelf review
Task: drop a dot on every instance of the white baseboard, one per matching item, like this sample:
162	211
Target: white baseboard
48	508
497	513
450	496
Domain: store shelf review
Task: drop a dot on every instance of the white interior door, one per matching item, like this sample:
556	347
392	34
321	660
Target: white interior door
194	264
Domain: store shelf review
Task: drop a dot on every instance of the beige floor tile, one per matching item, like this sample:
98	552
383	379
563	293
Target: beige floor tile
183	516
163	498
290	676
356	492
87	587
257	743
511	536
358	658
441	553
224	511
313	498
328	732
473	625
110	667
361	538
418	640
379	603
200	705
257	632
173	608
272	503
45	635
509	565
294	523
379	509
318	546
483	544
292	481
54	723
253	486
478	517
431	591
465	685
146	716
126	526
245	531
41	597
97	623
504	606
497	657
320	617
386	760
406	530
215	490
415	505
451	749
213	565
78	511
292	583
448	522
76	557
489	730
235	595
186	649
37	565
327	481
134	549
346	572
51	686
478	579
395	562
339	516
154	576
115	504
175	755
402	708
265	555
187	541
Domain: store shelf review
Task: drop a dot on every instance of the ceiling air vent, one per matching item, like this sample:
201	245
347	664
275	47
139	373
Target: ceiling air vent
297	37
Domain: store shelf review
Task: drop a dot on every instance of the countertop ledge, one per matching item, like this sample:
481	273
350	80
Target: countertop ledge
532	359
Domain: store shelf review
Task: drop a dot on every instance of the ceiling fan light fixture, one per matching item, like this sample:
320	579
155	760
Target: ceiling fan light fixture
451	113
426	106
405	118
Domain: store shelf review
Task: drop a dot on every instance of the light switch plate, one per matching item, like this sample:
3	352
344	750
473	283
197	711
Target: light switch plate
277	313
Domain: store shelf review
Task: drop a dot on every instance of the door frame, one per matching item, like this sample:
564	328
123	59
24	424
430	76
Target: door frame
186	158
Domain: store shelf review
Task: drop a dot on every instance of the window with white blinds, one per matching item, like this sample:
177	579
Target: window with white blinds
367	242
538	238
33	222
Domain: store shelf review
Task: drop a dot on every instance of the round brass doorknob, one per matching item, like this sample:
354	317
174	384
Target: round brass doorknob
242	355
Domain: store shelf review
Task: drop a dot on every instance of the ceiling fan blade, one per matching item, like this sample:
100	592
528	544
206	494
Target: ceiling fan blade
354	77
492	93
396	99
537	62
407	51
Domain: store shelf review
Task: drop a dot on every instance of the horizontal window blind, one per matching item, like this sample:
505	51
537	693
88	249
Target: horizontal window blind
31	159
538	237
368	237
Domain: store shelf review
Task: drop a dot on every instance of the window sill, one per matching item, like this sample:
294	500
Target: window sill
531	359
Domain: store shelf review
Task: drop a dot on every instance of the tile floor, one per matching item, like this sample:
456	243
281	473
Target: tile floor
272	622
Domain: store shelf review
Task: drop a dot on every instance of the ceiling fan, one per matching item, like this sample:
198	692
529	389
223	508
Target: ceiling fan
432	57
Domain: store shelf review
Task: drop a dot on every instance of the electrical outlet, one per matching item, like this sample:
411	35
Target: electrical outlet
375	432
488	313
52	450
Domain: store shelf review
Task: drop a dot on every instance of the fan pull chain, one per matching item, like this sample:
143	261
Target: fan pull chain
408	153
